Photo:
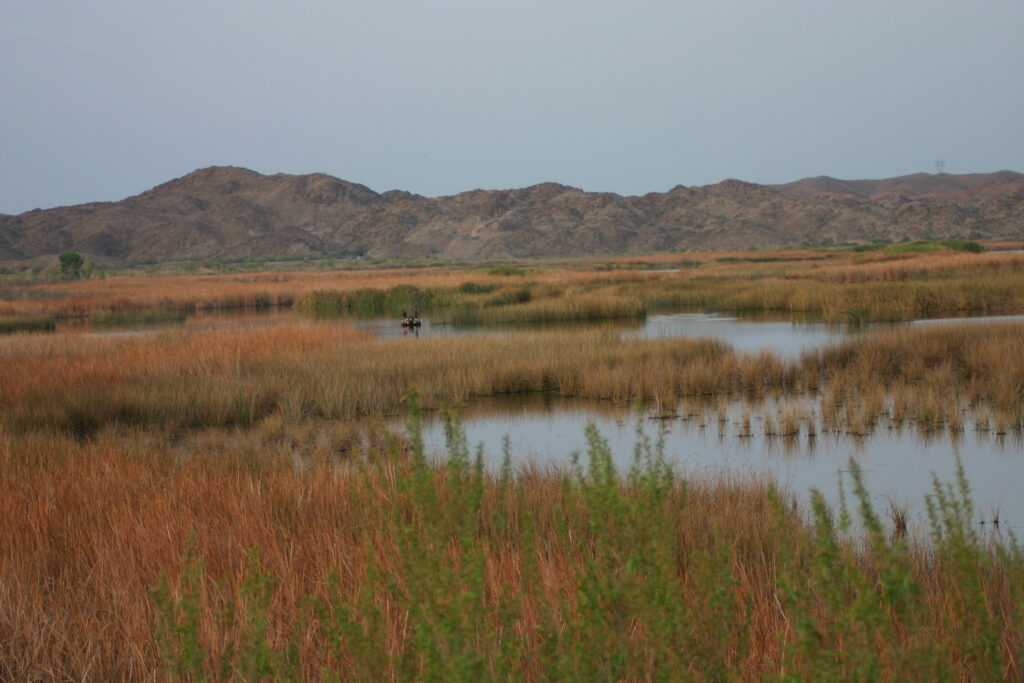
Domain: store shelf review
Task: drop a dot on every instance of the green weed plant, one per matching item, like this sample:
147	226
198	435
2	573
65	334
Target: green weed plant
475	576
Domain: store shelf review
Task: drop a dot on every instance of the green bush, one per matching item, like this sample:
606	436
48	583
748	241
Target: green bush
70	265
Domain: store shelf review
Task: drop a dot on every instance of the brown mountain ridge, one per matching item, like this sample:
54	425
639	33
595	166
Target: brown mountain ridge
230	212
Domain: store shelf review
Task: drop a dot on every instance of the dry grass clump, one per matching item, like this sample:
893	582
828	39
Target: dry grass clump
87	538
845	286
931	371
855	302
207	292
474	303
889	267
181	379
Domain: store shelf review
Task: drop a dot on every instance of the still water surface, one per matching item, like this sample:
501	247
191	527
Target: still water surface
745	334
782	337
898	464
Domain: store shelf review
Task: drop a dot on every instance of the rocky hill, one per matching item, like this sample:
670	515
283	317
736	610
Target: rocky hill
233	213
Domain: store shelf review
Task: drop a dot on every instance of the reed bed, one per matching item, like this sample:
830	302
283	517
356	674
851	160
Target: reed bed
835	285
122	558
889	267
211	292
474	303
201	379
947	365
934	377
983	292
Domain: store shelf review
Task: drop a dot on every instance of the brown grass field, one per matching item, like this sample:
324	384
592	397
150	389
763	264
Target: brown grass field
228	504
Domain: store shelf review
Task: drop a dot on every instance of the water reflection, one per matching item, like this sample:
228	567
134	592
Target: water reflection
387	328
969	320
779	336
898	463
776	334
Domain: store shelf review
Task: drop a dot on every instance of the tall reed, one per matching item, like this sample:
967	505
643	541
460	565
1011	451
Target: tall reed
187	380
838	286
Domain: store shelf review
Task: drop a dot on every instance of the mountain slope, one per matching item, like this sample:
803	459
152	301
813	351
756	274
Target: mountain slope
233	213
911	187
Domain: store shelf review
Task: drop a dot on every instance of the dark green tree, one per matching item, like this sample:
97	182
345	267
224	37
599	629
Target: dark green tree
71	265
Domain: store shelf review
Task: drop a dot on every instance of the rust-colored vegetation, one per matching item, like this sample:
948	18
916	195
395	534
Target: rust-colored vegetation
229	502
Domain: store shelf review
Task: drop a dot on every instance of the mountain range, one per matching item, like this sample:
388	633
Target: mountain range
229	212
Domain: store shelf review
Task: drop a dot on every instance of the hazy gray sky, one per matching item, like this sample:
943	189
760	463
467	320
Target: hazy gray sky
100	100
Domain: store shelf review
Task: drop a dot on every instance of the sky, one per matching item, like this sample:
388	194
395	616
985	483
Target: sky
101	100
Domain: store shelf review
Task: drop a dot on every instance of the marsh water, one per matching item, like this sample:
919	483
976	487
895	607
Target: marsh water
898	464
776	334
744	334
752	334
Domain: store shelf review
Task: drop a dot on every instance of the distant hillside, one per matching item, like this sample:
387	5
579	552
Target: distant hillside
233	212
911	187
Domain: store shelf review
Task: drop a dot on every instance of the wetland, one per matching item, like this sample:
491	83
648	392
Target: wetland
651	433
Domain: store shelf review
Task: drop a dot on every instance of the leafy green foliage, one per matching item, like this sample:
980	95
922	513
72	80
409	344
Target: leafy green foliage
178	615
70	264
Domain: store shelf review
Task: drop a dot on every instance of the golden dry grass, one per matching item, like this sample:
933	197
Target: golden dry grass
184	380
